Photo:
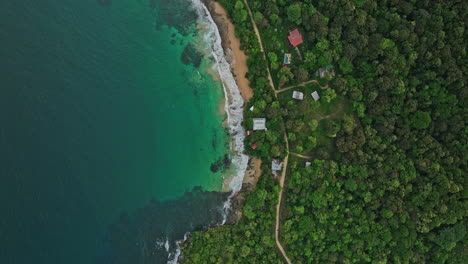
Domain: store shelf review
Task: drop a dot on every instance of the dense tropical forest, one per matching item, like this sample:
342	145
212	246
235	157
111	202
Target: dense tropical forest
386	145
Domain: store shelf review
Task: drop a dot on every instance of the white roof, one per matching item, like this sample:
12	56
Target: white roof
308	163
259	123
316	96
298	95
276	165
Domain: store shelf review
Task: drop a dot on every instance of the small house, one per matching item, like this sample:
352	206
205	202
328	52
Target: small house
308	163
254	146
250	132
298	95
259	124
325	71
295	37
316	96
287	59
276	165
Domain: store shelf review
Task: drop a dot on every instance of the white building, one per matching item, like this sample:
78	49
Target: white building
276	165
298	95
316	96
259	124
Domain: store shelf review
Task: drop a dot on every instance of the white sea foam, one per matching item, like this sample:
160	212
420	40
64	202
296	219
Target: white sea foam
234	108
174	259
166	245
235	103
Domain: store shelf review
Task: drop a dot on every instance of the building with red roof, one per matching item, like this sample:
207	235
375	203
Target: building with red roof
295	37
254	146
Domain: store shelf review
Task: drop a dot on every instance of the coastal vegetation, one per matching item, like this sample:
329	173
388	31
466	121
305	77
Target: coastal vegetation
379	171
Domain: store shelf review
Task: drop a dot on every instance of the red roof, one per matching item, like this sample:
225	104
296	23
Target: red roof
254	146
295	37
250	132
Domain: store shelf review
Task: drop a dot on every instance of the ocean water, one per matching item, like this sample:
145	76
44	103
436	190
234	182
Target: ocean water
112	144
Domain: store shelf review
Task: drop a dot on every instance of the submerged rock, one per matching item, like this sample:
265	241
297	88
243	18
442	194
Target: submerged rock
191	55
221	164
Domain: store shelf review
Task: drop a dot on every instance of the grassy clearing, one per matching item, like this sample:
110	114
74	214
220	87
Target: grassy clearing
306	121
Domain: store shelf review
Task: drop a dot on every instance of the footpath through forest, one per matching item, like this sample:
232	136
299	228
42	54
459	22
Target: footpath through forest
285	161
301	84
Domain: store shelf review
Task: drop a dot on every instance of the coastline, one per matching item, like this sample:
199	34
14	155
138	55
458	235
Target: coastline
232	67
231	45
238	62
215	35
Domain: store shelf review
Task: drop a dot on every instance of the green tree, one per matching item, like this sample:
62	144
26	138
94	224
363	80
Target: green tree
328	95
245	251
331	127
311	142
294	13
348	123
421	120
345	65
449	237
240	14
313	124
258	17
273	60
310	60
285	75
323	45
351	185
298	149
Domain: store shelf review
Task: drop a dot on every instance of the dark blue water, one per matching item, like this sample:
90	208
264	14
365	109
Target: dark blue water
101	112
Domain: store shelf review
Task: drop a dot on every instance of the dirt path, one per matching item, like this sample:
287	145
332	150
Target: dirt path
300	155
278	206
259	38
285	161
301	85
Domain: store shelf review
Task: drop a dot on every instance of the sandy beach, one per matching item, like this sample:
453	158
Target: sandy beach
238	60
234	54
253	172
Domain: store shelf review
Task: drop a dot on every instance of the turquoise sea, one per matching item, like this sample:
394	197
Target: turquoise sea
109	120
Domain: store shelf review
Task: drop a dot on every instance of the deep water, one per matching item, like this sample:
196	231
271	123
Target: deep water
109	119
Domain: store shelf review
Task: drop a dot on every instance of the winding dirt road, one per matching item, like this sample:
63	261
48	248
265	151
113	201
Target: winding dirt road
280	197
259	38
285	161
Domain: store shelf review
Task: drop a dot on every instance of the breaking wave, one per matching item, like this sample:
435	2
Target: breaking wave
234	102
234	108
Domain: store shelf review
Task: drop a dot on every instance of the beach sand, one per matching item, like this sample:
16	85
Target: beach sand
238	60
253	172
231	45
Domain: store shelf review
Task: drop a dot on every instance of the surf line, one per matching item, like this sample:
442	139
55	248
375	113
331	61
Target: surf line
234	106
